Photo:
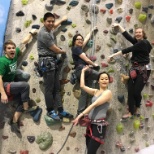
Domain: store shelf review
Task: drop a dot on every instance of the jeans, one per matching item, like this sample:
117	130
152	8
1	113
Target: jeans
135	88
90	76
20	89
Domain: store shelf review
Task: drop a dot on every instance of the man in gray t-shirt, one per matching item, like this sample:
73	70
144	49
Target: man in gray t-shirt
47	52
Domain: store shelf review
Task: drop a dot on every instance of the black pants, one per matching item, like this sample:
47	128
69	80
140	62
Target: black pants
92	145
135	88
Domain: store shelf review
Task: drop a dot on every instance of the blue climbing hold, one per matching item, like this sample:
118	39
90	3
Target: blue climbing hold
74	3
67	22
109	5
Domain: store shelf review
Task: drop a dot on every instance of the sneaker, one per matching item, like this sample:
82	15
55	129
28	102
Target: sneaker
65	114
52	114
15	128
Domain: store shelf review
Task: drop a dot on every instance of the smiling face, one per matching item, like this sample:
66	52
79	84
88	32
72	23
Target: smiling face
103	80
10	51
79	41
49	23
139	34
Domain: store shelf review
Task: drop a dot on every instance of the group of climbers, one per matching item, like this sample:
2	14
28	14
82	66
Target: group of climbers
50	66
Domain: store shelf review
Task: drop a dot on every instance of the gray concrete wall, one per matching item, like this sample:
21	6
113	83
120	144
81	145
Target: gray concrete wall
143	137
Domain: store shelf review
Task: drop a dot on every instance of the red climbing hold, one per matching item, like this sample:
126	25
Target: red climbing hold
104	64
111	79
111	11
149	104
128	18
103	11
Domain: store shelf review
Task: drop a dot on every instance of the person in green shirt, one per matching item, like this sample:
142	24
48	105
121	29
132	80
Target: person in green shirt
8	67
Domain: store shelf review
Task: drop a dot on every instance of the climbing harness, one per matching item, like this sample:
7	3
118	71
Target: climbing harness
8	93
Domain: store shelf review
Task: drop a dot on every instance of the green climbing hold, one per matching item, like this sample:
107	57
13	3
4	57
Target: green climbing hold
44	140
142	117
142	17
41	20
110	70
119	128
145	96
38	100
89	44
27	23
136	124
49	121
137	5
31	57
24	2
70	43
73	25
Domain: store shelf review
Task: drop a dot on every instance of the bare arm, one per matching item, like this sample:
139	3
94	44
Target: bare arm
90	91
4	98
87	60
115	54
57	23
88	37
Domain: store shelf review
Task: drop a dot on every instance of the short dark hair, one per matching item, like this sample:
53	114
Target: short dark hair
101	74
47	15
7	43
74	39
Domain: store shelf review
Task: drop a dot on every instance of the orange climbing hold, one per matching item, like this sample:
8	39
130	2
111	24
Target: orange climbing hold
111	11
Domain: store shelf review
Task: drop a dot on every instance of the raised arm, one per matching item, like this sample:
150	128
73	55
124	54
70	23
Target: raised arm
57	23
88	36
125	33
89	90
4	98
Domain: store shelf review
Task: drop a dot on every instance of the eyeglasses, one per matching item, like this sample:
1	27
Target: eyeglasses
79	39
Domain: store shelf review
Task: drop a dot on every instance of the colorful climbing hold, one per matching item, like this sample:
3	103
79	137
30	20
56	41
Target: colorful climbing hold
31	57
93	58
118	19
67	22
27	23
137	5
104	64
128	18
136	124
73	25
109	5
142	17
38	100
44	140
121	98
24	2
49	7
20	14
73	2
120	128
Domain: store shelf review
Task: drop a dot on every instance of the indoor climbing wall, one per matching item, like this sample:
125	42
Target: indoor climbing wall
129	136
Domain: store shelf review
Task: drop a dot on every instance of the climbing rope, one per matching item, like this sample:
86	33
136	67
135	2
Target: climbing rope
93	24
65	139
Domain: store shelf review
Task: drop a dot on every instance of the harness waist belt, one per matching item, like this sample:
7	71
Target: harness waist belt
40	56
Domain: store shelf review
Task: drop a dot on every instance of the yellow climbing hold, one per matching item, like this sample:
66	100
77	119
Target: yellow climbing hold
73	25
31	57
41	20
24	2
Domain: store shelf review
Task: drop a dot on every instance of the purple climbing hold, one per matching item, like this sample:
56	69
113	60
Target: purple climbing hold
118	19
74	3
109	5
31	139
20	14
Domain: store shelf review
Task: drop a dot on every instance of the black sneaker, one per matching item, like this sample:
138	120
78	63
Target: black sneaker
65	115
15	128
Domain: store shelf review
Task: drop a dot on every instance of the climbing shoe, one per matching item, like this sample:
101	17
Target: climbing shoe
65	114
15	128
33	108
52	114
